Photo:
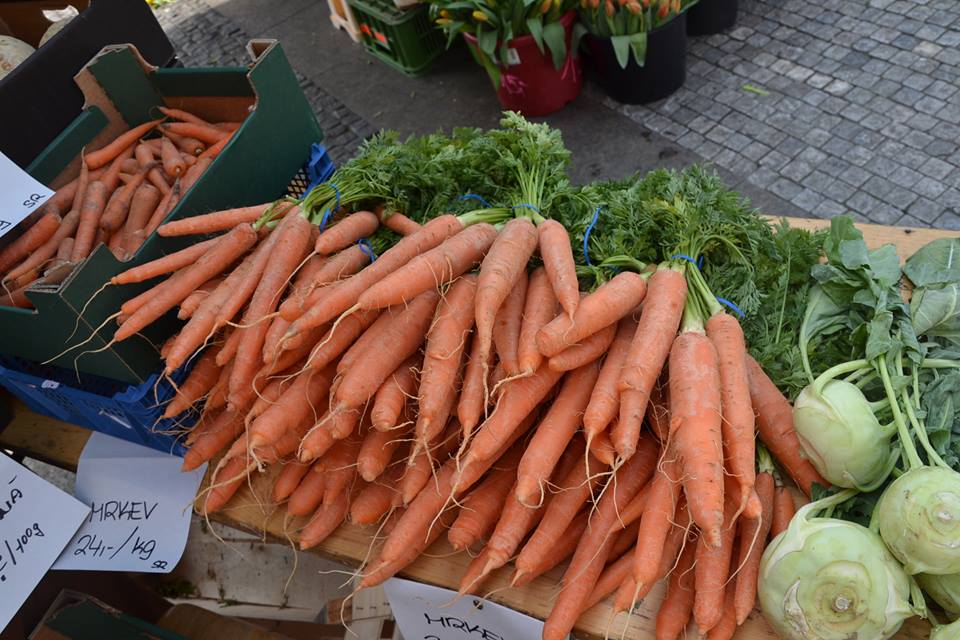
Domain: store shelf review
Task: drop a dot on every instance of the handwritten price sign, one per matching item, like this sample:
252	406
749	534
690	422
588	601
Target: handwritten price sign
20	194
36	521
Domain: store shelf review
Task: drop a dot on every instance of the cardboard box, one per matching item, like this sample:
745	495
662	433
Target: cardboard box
121	91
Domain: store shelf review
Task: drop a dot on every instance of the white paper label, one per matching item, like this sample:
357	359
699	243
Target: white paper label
513	57
36	521
20	194
431	613
140	508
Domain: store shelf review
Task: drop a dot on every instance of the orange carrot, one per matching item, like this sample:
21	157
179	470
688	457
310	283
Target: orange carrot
190	147
49	249
712	569
482	506
602	449
201	379
695	421
656	522
191	302
384	569
390	399
340	337
208	134
309	493
675	611
31	240
727	625
738	419
399	223
111	175
342	265
359	224
173	164
539	308
658	409
614	575
783	509
421	467
565	545
377	498
557	255
320	439
554	433
439	265
605	396
193	174
341	466
229	479
166	264
586	351
299	401
753	539
183	116
289	479
325	521
212	222
659	321
214	150
118	206
443	355
500	271
775	426
609	303
223	431
102	156
471	404
376	451
144	201
507	324
169	202
90	214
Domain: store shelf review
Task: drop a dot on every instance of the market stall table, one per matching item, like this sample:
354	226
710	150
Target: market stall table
60	444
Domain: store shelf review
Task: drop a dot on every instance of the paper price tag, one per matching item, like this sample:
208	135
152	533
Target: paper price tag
513	58
431	613
139	508
36	521
20	194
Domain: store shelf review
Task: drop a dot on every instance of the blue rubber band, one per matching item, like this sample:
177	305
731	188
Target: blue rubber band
700	263
478	198
683	256
526	206
364	245
329	211
732	306
586	234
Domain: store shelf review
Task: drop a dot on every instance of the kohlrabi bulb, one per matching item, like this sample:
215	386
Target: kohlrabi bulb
841	436
828	579
919	518
945	591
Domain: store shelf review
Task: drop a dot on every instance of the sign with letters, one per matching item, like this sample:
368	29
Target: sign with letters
20	194
431	613
140	507
36	521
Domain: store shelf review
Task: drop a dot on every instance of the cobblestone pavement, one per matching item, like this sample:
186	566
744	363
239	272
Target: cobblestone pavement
857	111
203	37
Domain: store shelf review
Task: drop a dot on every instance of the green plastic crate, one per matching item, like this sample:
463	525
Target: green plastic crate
404	39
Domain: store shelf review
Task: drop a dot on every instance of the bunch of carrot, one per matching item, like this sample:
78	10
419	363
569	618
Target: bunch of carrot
445	387
123	192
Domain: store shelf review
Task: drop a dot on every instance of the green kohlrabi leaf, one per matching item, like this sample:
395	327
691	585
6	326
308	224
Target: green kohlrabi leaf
885	265
941	400
936	263
936	312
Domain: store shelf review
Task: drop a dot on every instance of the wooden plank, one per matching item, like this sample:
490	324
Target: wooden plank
60	444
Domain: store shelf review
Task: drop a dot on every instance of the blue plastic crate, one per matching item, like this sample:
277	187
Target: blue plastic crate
114	408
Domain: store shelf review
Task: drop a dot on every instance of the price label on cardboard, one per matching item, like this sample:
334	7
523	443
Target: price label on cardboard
139	508
20	194
36	521
431	613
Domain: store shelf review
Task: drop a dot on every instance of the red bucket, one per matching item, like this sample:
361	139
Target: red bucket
530	83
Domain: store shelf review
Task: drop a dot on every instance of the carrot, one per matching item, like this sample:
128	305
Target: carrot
392	395
299	401
727	625
242	283
399	223
443	355
319	441
377	498
166	264
400	340
587	351
31	240
227	249
49	249
342	265
695	421
471	404
289	479
554	433
783	509
344	294
173	164
517	401
712	569
539	308
738	419
234	472
344	233
142	205
341	466
103	156
325	521
191	302
376	451
602	449
169	202
90	213
118	206
432	268
565	545
212	222
775	426
557	255
384	569
110	176
183	116
63	198
482	506
656	522
604	401
676	609
340	337
218	394
224	430
278	327
658	409
501	269
145	159
190	147
193	174
201	379
420	468
614	575
507	324
609	303
309	493
753	539
292	244
208	134
214	150
594	548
